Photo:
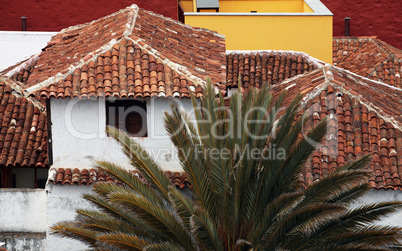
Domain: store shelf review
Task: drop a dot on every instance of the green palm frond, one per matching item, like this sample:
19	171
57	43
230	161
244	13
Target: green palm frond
183	206
166	246
374	236
156	216
123	241
73	230
126	178
205	231
142	161
348	222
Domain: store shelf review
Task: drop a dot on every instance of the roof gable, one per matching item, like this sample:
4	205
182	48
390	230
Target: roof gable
364	117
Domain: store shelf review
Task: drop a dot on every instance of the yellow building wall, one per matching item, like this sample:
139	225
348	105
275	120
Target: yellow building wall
261	6
309	34
307	8
187	5
251	5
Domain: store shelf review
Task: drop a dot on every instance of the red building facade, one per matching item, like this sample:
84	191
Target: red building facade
51	15
369	18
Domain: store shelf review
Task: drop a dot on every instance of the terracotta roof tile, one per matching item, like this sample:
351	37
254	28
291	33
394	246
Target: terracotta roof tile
254	68
64	176
369	57
364	117
131	53
23	135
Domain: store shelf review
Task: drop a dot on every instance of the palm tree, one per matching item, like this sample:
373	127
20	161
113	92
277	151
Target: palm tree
238	201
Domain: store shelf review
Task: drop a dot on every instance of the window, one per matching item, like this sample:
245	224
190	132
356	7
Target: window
128	115
21	177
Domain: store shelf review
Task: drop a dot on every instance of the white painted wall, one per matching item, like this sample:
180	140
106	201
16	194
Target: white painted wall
78	134
16	46
375	196
22	210
62	203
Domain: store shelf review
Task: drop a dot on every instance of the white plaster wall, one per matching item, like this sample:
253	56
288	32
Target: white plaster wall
375	196
22	210
78	134
62	203
16	46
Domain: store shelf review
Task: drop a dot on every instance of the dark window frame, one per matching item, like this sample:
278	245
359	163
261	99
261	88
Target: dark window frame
8	177
128	115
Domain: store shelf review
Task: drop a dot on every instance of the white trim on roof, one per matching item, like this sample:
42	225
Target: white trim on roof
256	14
319	9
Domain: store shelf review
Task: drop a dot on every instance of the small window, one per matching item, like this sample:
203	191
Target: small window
23	177
128	115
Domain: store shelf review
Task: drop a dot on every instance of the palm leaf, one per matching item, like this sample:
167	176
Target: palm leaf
156	216
141	160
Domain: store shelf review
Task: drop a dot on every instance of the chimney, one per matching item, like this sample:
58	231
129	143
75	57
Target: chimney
347	26
24	23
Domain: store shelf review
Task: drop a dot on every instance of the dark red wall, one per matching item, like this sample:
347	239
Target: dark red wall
54	15
381	18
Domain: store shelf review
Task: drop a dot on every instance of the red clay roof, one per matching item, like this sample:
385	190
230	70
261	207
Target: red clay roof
369	57
364	117
84	177
255	68
131	53
23	135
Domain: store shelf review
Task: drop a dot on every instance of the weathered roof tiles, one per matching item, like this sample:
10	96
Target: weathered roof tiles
131	53
369	57
23	134
255	68
364	118
66	176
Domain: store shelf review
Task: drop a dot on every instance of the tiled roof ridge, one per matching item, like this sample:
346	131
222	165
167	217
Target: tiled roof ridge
382	45
92	56
353	37
215	33
133	10
182	70
289	80
391	55
327	75
370	106
88	58
364	78
71	28
376	42
24	64
19	91
317	63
